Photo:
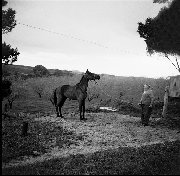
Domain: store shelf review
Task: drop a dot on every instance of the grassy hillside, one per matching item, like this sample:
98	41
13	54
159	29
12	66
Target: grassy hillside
12	69
110	90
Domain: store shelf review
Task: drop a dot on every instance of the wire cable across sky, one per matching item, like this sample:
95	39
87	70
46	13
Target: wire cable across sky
79	39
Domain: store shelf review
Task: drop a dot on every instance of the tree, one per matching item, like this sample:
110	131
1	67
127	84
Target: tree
12	98
162	34
9	54
160	1
8	19
17	92
40	71
39	89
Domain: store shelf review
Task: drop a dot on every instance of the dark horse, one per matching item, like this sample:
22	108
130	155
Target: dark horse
77	92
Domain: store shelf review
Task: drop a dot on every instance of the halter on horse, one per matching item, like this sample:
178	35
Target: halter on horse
77	92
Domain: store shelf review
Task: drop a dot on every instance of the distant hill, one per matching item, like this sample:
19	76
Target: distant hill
17	68
76	72
130	87
28	70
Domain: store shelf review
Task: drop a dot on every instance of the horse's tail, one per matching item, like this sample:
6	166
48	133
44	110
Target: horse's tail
53	98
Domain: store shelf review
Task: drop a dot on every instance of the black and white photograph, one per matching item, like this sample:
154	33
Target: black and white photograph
90	87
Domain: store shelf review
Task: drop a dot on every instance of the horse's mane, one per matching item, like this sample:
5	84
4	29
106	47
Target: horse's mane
81	81
81	78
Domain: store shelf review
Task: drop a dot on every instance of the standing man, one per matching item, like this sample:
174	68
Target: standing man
146	104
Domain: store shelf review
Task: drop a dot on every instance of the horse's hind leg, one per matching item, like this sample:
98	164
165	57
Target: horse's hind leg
61	103
57	111
58	101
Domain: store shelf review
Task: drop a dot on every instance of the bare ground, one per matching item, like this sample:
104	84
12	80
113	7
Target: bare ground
102	132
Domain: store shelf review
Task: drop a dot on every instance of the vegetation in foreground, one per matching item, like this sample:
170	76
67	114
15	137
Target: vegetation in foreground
40	140
161	159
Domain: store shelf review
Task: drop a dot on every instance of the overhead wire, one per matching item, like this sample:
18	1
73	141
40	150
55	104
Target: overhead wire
79	39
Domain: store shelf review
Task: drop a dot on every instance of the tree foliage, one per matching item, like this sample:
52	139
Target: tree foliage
161	33
8	20
40	71
9	54
160	1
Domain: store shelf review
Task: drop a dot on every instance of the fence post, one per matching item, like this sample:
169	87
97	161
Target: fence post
24	129
166	95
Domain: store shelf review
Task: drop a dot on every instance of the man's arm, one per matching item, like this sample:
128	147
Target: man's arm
152	98
140	103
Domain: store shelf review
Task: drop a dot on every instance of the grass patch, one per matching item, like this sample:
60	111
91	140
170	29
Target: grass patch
156	159
41	138
14	145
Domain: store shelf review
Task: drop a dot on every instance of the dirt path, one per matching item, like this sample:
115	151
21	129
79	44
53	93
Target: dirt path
101	131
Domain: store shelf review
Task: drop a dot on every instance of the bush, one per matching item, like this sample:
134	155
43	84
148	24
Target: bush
40	71
58	73
38	88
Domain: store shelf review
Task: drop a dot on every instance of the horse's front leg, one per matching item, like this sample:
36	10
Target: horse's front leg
83	109
80	109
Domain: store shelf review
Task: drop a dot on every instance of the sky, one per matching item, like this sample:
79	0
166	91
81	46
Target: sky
98	35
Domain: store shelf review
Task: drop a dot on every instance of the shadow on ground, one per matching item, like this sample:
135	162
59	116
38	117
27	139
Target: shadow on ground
161	159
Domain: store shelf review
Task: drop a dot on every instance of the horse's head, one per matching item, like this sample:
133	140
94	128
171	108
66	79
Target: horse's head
91	76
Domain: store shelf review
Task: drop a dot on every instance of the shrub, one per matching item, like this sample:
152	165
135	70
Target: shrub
38	89
40	71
